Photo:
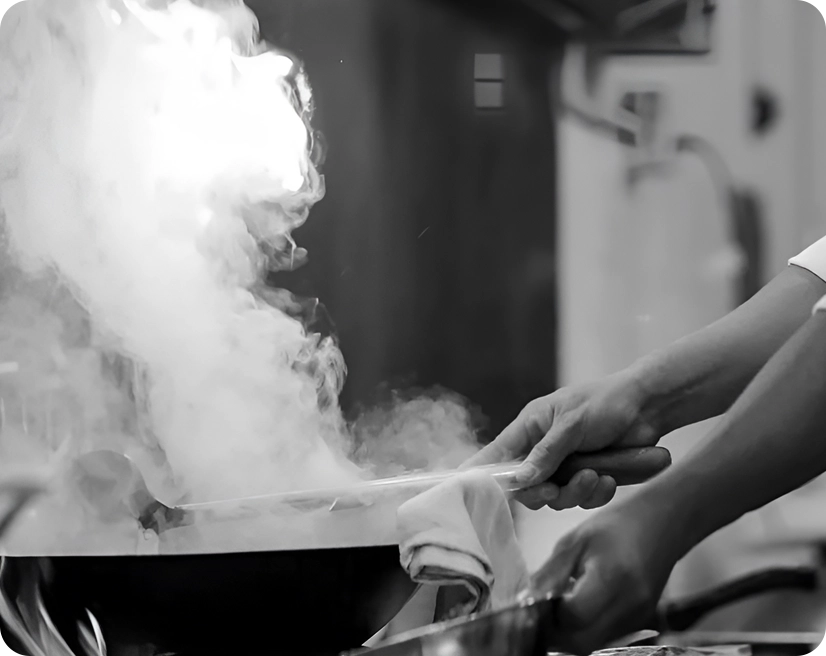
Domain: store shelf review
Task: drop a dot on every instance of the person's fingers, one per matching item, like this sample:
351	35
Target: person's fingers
589	609
641	433
579	490
607	601
603	493
518	437
494	453
538	496
544	459
557	572
591	598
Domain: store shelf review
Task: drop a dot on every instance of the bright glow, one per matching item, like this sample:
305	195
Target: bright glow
27	618
217	116
171	145
153	165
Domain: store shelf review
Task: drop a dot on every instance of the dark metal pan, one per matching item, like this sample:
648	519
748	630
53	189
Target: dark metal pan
531	628
304	601
313	602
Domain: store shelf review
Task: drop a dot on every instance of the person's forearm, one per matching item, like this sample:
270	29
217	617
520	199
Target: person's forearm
700	376
772	441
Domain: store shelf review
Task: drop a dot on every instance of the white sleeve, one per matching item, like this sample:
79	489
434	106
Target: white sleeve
813	259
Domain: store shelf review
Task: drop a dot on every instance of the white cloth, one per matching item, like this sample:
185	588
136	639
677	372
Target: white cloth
461	532
813	259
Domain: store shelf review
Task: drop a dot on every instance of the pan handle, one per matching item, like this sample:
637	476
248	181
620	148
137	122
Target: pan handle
626	466
682	615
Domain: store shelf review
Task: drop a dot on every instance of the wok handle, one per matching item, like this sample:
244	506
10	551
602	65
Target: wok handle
682	615
625	466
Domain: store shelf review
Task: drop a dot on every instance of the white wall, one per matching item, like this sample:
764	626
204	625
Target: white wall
643	266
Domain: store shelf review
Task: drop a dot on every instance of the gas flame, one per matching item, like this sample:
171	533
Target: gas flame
30	622
26	616
92	639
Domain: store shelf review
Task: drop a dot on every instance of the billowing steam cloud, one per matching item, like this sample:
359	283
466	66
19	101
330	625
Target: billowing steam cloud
154	159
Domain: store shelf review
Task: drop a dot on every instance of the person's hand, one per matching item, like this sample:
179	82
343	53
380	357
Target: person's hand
611	571
573	419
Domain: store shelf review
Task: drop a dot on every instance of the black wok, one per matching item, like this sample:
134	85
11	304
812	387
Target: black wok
307	602
311	602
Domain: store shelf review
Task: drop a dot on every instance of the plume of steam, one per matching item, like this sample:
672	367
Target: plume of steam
429	430
155	157
159	149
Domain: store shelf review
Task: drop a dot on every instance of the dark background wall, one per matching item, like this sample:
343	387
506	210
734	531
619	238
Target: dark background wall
433	250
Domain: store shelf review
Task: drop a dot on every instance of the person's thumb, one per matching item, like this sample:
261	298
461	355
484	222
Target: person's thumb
589	598
513	443
493	454
559	571
587	616
546	457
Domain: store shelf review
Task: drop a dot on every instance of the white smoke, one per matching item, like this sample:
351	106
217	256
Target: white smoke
157	150
432	430
154	159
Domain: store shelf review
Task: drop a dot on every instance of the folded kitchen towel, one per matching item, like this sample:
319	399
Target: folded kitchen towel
461	533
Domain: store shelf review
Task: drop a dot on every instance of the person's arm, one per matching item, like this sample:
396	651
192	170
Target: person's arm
696	378
772	441
700	376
